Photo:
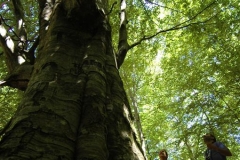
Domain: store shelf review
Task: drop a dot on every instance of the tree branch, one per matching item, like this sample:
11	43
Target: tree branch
176	27
154	3
123	46
31	51
19	74
8	47
21	30
10	59
22	34
111	8
1	5
10	28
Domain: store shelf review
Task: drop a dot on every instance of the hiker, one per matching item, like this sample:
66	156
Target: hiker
215	150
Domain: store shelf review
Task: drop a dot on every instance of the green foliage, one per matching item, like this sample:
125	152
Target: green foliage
8	98
186	81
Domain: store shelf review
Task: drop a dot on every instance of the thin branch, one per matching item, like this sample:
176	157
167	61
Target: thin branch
8	47
227	104
10	28
1	5
209	124
154	3
176	27
111	8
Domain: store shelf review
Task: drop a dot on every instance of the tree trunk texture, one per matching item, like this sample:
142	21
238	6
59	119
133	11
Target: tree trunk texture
75	106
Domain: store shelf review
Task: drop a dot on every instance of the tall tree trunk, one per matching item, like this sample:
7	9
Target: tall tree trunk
75	106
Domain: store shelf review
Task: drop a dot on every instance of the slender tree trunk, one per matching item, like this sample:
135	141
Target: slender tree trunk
75	106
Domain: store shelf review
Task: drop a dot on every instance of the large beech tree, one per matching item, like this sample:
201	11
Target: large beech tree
74	105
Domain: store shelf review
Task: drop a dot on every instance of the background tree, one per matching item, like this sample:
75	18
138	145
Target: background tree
181	89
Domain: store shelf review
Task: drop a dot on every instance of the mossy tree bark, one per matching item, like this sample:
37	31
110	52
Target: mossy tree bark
75	106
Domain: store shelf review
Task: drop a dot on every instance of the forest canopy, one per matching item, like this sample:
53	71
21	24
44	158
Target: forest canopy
181	73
